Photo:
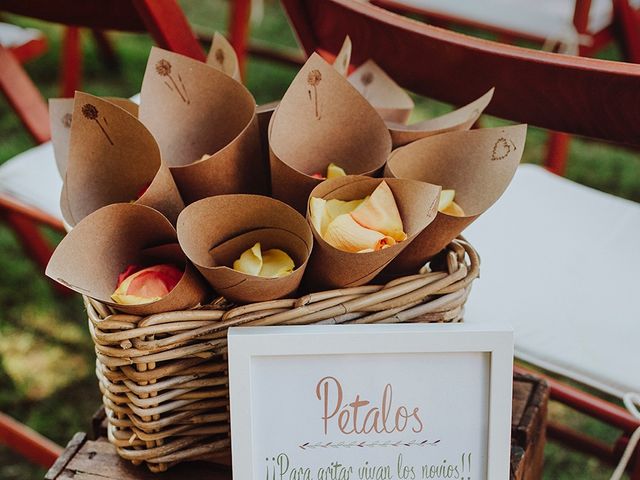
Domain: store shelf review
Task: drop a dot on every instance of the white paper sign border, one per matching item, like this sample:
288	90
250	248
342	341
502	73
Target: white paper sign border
248	342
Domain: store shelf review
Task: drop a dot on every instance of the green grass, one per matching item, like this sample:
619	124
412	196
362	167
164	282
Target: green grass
46	354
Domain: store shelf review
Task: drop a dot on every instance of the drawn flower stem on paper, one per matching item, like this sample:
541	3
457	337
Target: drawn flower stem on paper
366	79
90	112
502	148
163	68
313	79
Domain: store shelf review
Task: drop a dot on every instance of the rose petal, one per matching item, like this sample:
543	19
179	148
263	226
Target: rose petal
250	262
276	263
446	198
454	210
379	212
344	233
334	171
147	285
317	212
132	299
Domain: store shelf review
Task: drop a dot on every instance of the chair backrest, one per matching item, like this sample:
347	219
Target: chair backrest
163	19
583	96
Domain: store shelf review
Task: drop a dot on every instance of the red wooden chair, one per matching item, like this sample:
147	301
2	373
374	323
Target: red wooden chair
27	443
560	260
596	23
29	184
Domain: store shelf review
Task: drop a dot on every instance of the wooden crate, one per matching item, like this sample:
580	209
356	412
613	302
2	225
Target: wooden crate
92	457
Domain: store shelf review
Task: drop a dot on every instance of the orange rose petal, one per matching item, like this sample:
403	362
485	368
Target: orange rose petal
454	210
379	212
345	234
147	285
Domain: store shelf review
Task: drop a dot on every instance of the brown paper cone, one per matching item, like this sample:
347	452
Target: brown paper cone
264	113
100	247
343	59
60	117
112	159
333	268
215	231
387	97
461	119
193	109
223	57
322	119
477	164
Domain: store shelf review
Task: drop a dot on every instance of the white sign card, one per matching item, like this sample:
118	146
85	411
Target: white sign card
371	402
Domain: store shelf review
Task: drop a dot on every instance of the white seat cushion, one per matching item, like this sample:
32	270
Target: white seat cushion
32	178
540	18
560	263
12	36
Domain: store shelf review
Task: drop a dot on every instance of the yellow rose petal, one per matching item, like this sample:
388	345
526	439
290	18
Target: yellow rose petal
250	262
446	198
317	212
334	208
344	233
334	171
454	210
379	212
276	263
123	299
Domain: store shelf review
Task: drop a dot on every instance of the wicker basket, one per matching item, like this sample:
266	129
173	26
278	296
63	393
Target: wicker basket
164	377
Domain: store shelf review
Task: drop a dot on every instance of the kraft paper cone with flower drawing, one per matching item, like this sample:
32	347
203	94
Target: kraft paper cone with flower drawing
387	97
104	244
461	119
213	242
322	119
205	124
330	267
477	164
113	158
60	118
223	57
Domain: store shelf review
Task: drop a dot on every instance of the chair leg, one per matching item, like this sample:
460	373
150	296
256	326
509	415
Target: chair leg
628	25
24	97
105	47
239	30
635	472
168	26
557	152
27	442
37	248
71	62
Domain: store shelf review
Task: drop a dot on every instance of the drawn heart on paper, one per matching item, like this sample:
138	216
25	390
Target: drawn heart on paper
502	148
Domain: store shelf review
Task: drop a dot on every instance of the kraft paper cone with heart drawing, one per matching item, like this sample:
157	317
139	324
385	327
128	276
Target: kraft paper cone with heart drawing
205	124
391	101
322	119
60	117
223	57
92	256
477	164
461	119
332	268
213	242
113	158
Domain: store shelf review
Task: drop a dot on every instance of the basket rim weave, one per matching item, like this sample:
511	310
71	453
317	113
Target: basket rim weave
163	377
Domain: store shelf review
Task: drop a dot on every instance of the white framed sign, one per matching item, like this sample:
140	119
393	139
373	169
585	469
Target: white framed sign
371	402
